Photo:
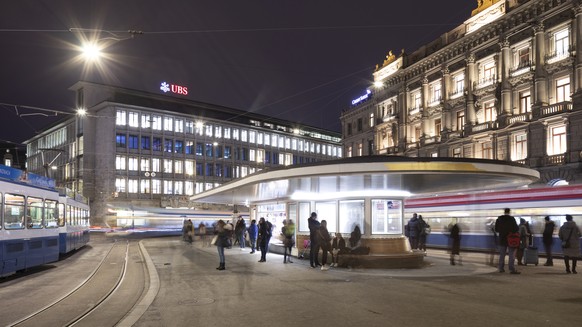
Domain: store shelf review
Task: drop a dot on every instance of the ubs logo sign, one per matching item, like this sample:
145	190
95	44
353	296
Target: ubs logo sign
176	89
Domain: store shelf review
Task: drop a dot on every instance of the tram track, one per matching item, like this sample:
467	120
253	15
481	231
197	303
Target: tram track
82	305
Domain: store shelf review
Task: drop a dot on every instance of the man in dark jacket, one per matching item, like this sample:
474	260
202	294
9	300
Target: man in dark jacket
413	228
548	239
504	225
314	250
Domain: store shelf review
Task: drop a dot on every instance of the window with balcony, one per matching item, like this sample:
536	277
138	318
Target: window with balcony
523	57
557	140
458	85
460	120
416	100
524	102
489	111
436	93
437	127
562	42
563	89
519	149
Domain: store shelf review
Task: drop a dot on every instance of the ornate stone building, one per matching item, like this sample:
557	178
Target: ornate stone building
506	85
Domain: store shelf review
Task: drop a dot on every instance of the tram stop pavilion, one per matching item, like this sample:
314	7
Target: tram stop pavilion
368	192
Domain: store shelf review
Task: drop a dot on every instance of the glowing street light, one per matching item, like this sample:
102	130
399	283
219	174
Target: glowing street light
91	51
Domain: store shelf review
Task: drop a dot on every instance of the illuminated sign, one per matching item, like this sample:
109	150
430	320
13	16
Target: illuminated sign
361	98
176	89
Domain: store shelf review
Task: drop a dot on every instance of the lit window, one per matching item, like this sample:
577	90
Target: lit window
460	120
227	132
168	122
561	44
156	186
145	164
178	167
146	121
132	163
524	102
133	119
563	89
437	127
557	143
244	136
490	113
519	151
218	131
121	118
120	163
252	137
167	166
157	123
156	165
144	186
179	126
208	131
168	187
189	127
372	120
120	185
132	186
179	187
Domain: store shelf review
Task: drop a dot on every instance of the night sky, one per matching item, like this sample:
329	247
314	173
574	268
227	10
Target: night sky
302	61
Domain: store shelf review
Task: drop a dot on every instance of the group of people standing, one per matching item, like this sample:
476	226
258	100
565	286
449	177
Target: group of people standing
417	230
569	235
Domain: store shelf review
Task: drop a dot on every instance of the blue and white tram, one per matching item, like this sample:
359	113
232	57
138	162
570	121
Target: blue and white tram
73	222
30	221
476	213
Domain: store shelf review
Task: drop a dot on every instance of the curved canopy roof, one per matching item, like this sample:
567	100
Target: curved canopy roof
370	176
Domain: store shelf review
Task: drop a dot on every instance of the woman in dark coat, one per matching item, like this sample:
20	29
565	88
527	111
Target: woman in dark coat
324	241
222	241
570	234
548	239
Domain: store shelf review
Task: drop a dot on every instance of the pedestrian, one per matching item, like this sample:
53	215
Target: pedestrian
239	231
314	250
264	238
523	240
202	234
455	239
505	225
189	231
184	229
548	240
492	242
424	230
222	241
413	228
570	236
288	232
338	246
253	232
324	241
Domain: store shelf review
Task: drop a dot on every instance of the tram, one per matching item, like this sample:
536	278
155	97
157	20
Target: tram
34	219
476	213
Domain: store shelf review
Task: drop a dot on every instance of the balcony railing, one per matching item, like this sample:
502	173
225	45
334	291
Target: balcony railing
523	67
432	139
555	109
558	55
456	93
414	111
484	126
434	102
555	160
486	81
526	116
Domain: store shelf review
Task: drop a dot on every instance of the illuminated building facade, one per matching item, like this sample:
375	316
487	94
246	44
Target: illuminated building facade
506	85
134	148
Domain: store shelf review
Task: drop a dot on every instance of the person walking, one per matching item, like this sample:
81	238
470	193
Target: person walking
548	240
239	231
264	237
288	232
202	234
189	231
314	250
570	235
504	225
253	232
424	230
523	241
222	241
413	229
455	239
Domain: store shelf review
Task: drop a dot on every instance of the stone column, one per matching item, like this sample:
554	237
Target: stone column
470	79
541	78
577	35
445	88
504	66
403	95
424	119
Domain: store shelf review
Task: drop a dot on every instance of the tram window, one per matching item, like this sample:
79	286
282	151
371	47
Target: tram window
51	213
34	208
61	213
13	211
70	217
